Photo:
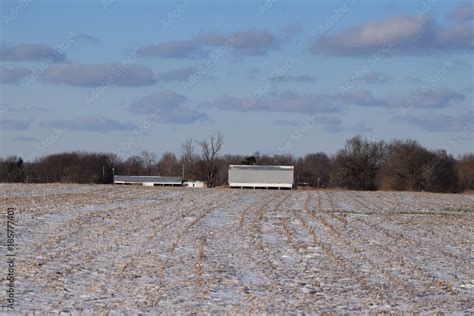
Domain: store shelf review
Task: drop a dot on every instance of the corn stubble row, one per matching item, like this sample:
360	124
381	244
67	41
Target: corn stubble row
88	249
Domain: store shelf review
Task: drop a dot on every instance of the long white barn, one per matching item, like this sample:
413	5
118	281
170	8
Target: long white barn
266	177
148	180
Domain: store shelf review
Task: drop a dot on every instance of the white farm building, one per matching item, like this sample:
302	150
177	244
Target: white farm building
148	181
194	184
266	177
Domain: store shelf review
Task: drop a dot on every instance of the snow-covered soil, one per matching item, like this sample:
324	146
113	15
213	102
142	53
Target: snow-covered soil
97	248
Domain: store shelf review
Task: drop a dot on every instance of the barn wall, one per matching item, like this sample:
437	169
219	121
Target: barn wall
261	176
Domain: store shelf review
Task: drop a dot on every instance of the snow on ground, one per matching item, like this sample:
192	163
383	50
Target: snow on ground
98	248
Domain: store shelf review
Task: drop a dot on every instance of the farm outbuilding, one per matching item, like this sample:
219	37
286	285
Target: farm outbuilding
266	177
194	184
148	180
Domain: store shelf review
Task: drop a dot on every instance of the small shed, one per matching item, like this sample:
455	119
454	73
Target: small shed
194	184
259	176
148	180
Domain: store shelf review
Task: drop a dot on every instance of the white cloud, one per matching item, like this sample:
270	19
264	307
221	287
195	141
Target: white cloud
80	75
408	35
30	52
463	12
243	43
169	106
13	75
91	124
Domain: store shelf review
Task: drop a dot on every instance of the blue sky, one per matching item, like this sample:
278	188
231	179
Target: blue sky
272	76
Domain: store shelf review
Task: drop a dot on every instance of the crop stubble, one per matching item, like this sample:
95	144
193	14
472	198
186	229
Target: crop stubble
109	248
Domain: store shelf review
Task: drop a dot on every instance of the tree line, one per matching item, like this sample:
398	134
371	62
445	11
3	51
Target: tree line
363	164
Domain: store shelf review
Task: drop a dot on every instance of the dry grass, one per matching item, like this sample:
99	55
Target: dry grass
286	229
200	263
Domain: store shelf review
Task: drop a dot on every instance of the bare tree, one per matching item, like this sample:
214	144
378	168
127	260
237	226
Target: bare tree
314	169
188	154
357	165
439	175
209	151
403	168
465	169
134	165
190	160
149	159
168	165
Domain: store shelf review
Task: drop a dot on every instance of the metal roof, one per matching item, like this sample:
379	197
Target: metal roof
154	179
260	167
261	176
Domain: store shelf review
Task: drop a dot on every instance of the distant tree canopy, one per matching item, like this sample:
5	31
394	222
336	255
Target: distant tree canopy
465	172
411	167
356	166
13	170
361	165
249	160
72	167
314	170
169	165
403	167
439	174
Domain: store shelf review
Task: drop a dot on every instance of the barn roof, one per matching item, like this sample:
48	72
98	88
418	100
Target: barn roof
260	167
154	179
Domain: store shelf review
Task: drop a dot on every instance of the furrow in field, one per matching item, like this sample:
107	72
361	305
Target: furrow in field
341	277
409	231
425	227
411	248
173	250
89	230
289	246
347	247
426	201
412	256
141	253
387	256
167	282
262	257
210	243
237	282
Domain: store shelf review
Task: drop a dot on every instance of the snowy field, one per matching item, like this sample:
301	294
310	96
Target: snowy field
93	248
